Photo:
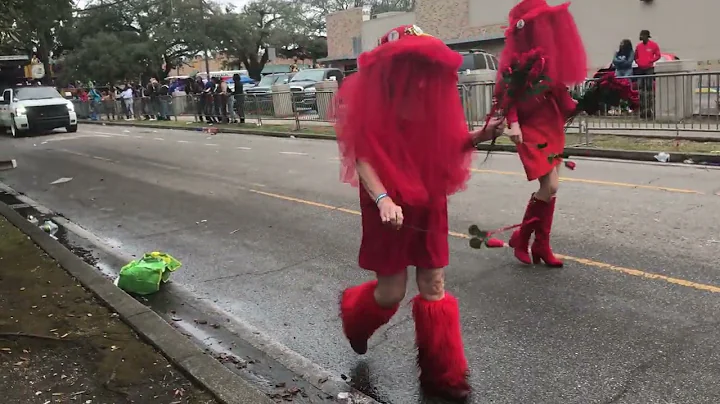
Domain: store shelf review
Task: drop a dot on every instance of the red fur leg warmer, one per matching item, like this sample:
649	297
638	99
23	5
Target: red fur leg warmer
361	315
441	356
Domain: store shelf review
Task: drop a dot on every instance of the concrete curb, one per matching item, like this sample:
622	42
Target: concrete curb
239	131
226	386
632	155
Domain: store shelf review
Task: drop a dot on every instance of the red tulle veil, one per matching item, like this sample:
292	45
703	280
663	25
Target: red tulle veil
402	113
552	29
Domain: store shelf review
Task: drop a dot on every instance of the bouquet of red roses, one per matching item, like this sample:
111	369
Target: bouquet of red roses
523	78
607	92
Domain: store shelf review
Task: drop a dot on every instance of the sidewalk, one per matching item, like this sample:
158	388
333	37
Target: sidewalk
58	344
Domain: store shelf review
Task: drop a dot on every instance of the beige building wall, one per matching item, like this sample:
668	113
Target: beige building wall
342	27
687	28
374	29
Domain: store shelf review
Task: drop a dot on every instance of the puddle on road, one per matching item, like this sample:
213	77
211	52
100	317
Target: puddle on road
196	321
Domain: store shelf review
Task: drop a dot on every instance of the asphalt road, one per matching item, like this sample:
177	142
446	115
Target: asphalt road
266	231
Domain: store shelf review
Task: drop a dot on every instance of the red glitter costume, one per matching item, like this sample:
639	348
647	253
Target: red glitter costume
401	114
552	30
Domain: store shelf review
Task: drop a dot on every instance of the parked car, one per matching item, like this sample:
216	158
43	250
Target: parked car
35	108
303	85
478	60
264	87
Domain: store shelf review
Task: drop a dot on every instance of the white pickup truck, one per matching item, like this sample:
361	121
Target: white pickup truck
35	108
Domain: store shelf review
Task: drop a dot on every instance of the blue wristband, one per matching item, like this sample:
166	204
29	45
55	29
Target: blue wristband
380	198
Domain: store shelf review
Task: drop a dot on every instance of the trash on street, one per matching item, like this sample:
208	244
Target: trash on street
144	276
61	181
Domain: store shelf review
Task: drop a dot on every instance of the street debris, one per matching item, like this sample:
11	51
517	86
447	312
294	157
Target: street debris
144	276
61	181
32	219
662	157
234	231
8	165
49	227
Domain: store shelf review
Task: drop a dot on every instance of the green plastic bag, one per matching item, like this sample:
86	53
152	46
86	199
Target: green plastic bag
143	276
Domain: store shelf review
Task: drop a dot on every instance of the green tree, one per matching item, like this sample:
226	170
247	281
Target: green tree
247	35
8	26
30	27
149	38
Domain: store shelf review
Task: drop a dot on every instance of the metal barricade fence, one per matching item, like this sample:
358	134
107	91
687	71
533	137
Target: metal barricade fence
684	102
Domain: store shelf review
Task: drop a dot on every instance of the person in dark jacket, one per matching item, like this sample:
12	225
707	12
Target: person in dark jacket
623	60
163	101
239	95
208	96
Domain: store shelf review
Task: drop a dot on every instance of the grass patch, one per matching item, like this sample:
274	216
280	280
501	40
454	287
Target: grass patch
59	344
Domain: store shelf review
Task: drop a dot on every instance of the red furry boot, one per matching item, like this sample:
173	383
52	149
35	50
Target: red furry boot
441	356
520	239
361	315
541	250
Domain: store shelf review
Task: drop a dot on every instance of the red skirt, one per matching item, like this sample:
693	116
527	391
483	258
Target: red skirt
422	242
545	124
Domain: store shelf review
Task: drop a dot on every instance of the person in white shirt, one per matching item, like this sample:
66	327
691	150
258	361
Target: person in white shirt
127	97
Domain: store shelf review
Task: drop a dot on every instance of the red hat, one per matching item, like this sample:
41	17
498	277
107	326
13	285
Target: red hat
411	40
529	9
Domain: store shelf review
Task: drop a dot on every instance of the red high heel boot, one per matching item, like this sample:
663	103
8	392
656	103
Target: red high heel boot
362	316
541	250
520	239
441	356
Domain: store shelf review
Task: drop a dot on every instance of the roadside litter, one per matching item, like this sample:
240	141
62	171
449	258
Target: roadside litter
32	219
61	181
144	276
49	227
8	165
662	157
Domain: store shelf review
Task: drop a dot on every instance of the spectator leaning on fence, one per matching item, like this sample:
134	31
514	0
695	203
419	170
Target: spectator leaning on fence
127	97
647	53
239	97
623	60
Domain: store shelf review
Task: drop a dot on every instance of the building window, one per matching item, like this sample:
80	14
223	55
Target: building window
357	45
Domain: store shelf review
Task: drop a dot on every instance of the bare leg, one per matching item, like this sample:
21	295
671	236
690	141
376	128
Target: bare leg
441	356
549	184
367	307
390	290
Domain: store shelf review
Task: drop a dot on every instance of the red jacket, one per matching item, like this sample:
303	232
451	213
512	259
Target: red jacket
647	54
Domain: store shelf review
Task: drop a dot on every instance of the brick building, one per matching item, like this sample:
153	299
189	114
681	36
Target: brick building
685	28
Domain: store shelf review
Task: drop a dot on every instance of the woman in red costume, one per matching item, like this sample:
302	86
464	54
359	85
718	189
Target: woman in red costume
540	119
403	136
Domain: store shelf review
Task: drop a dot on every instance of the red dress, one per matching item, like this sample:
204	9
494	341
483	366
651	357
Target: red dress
542	120
401	115
421	242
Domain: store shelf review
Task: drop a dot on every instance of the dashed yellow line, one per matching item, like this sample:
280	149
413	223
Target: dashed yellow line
596	264
596	182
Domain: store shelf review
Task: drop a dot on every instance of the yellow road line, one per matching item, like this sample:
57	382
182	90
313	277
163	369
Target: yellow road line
596	264
595	182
